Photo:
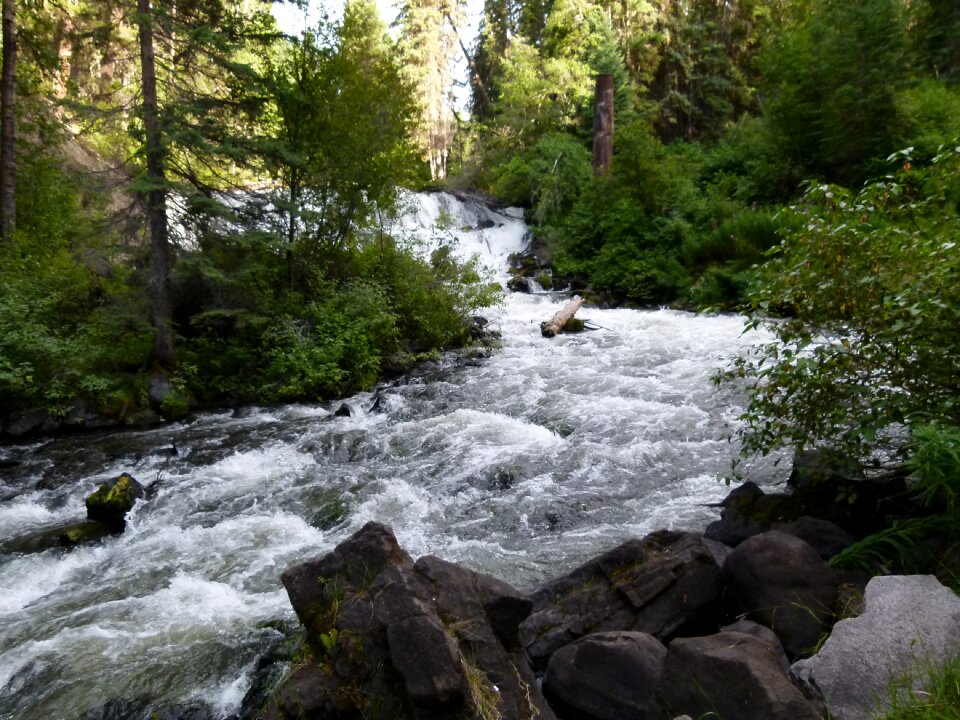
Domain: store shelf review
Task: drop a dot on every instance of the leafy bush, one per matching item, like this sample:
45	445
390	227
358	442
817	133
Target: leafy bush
69	326
548	177
870	280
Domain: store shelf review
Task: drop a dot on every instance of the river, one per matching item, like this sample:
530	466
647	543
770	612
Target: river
521	465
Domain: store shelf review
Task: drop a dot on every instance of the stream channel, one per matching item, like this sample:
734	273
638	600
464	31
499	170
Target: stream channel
521	465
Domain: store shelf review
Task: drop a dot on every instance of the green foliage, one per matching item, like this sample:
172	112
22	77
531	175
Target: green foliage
939	699
68	326
549	177
833	83
900	548
935	464
869	280
342	120
666	226
931	117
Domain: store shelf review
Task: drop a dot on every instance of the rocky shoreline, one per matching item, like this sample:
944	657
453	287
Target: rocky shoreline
745	620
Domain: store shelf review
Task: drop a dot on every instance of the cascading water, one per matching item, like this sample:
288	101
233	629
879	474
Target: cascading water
521	466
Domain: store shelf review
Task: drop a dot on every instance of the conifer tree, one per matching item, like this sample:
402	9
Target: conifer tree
429	48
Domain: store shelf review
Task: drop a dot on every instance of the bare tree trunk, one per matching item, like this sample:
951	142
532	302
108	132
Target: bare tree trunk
555	324
156	197
603	126
8	126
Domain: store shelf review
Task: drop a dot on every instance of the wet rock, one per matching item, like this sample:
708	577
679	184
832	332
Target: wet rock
270	669
574	325
825	537
343	411
480	330
181	712
81	415
657	585
748	627
400	639
31	421
748	511
116	709
111	502
518	284
781	582
910	625
331	513
732	675
605	676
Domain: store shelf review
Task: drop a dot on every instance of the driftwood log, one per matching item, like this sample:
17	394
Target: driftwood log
555	324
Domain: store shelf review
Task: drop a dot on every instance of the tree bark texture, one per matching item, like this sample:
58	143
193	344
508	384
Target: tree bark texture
156	196
603	126
555	324
8	128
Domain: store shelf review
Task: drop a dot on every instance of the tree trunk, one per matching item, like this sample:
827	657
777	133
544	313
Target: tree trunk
603	126
8	128
556	323
156	197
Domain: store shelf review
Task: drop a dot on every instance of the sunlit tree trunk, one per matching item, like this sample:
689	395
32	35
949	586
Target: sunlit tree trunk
8	96
155	195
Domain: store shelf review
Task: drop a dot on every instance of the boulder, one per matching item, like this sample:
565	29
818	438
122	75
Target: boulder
394	638
657	585
748	511
781	582
605	676
826	537
910	624
31	421
62	536
518	284
110	503
730	675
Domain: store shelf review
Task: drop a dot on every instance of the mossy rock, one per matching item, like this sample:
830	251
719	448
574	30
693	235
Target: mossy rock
63	536
545	280
330	514
574	325
113	500
86	532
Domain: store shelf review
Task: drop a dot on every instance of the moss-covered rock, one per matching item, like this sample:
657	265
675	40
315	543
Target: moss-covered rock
90	531
62	536
113	500
574	325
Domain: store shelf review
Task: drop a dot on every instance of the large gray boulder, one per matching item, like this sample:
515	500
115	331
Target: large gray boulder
781	582
910	624
656	585
391	638
731	675
605	676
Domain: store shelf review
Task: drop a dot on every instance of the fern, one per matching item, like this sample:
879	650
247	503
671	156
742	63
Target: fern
894	546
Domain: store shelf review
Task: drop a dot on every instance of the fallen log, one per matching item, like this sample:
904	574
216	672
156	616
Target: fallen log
555	324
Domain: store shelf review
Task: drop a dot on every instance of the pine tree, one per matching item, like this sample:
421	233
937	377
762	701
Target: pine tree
429	44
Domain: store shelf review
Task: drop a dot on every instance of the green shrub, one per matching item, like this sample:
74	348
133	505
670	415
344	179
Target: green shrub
871	280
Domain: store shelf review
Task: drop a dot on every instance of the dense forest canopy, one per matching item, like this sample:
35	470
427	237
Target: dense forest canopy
193	204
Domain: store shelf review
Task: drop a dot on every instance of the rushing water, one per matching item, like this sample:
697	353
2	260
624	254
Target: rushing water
521	465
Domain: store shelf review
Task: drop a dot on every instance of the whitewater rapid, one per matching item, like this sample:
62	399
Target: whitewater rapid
520	465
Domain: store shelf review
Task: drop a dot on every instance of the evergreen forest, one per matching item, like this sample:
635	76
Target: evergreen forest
194	205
